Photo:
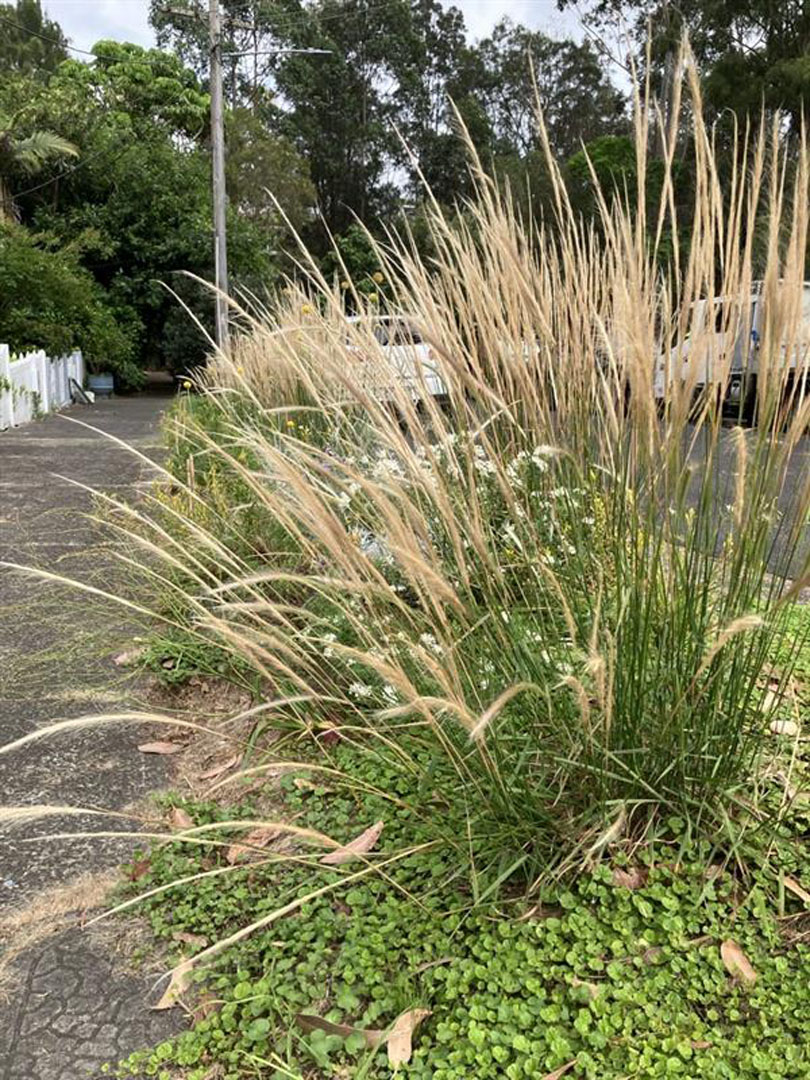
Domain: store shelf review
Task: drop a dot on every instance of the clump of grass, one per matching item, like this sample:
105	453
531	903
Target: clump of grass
563	592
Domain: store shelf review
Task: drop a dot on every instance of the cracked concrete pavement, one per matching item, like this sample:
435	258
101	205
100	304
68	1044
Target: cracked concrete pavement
73	1006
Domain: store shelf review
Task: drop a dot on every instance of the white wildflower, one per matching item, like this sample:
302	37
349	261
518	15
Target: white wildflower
430	642
389	694
360	690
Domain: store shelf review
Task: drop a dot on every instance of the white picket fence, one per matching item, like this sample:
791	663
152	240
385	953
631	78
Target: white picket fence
34	384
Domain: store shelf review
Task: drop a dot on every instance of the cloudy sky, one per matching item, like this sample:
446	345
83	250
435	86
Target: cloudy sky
86	21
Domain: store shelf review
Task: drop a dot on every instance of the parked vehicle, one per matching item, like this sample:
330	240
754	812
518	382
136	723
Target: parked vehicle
724	348
407	356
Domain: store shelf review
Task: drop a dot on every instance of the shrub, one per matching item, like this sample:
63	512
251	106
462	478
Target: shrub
47	301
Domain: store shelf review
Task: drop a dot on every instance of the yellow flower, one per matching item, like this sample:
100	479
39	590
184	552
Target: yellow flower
186	384
306	309
240	370
344	284
379	278
372	298
290	423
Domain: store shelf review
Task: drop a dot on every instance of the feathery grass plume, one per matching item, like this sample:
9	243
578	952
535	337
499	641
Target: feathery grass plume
400	566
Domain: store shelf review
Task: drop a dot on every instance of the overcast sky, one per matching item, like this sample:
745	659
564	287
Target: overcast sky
87	21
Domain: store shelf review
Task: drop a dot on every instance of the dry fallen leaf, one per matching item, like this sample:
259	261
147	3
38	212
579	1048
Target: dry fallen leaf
160	748
180	819
310	1022
129	656
258	838
400	1044
792	885
198	940
737	963
359	846
700	1044
633	878
563	1069
593	989
177	984
138	868
204	1007
217	770
783	727
303	784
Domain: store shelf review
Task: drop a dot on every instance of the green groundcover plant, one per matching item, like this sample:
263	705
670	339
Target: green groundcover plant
619	974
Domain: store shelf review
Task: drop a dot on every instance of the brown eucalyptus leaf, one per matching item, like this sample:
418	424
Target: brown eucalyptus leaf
259	838
218	770
400	1038
180	819
592	988
310	1022
178	983
198	940
737	963
792	885
160	748
632	878
128	657
138	869
563	1069
359	846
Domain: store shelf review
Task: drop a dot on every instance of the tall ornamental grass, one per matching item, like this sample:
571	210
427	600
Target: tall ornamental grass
548	598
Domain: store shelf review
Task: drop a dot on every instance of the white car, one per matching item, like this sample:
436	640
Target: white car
406	356
721	338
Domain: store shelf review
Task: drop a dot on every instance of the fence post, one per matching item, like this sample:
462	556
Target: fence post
44	387
7	393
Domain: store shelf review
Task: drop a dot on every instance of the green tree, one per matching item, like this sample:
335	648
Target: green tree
30	43
750	52
48	301
578	101
25	155
138	203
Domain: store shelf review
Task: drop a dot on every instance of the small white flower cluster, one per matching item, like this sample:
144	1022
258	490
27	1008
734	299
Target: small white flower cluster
390	695
429	642
483	464
360	691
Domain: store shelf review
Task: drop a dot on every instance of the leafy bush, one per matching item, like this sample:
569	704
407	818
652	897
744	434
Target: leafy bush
48	302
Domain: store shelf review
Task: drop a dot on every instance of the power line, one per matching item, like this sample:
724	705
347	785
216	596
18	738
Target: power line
288	25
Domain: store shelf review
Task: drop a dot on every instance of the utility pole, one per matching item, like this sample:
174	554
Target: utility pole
218	142
218	170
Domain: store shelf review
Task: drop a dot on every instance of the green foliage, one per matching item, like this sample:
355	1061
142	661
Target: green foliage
30	42
619	979
47	301
137	205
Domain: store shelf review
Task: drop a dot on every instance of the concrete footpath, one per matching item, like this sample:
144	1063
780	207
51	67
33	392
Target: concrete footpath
71	1004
